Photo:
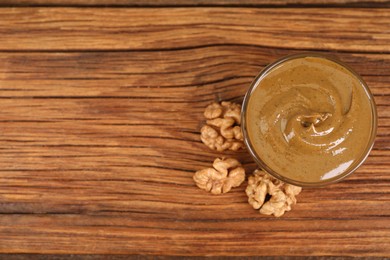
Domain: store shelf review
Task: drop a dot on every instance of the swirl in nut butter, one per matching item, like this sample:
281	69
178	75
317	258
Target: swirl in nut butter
310	119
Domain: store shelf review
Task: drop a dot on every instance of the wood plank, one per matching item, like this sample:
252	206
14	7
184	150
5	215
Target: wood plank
213	69
359	30
157	3
100	148
123	234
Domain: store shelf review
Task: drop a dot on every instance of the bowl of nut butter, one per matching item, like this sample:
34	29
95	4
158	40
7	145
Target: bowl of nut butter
309	120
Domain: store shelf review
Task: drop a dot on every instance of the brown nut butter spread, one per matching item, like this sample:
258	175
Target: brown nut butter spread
309	119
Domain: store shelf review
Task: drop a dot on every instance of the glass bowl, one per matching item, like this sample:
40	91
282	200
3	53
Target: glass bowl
279	175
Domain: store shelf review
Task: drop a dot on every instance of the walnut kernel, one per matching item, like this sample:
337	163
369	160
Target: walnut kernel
225	174
282	194
222	131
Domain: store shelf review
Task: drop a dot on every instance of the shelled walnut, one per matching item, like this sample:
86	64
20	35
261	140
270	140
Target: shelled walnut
222	130
225	174
282	194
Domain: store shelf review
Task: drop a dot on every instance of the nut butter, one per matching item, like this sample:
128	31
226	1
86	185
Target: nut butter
309	120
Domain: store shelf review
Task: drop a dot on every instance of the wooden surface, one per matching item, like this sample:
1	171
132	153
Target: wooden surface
100	116
173	3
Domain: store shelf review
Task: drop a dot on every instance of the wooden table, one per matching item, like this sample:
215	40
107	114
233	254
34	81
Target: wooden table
101	106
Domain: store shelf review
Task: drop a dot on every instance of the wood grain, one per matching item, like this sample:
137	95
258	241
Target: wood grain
125	3
352	30
99	142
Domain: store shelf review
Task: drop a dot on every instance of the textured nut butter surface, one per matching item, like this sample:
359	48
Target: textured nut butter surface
309	119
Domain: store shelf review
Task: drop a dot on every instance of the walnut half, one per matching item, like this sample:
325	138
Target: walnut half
222	130
282	194
225	174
